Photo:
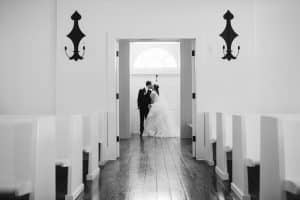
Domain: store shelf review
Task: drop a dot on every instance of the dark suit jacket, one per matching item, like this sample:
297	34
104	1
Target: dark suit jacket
144	99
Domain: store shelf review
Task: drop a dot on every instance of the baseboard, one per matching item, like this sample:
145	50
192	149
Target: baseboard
76	193
239	193
94	174
223	175
200	158
209	162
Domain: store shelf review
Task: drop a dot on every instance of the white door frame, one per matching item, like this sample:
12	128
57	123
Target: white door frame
194	100
117	70
113	81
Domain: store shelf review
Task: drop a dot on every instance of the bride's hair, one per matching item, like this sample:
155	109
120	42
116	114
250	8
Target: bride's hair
156	88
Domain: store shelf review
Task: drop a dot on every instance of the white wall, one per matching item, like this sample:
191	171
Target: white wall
80	86
225	86
27	72
28	56
277	28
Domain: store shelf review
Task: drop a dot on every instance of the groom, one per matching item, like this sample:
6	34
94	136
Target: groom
144	100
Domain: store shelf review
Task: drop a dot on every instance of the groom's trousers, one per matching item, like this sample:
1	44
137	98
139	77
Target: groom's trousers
143	116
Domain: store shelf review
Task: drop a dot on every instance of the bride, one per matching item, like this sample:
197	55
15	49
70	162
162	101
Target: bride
159	122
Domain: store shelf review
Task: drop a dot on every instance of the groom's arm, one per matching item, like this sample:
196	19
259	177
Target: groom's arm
139	99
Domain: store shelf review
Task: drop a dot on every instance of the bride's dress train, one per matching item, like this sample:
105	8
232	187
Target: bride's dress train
159	122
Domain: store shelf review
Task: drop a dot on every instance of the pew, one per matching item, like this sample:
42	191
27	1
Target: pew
280	160
227	131
246	156
252	157
90	146
103	137
69	146
210	137
224	145
27	166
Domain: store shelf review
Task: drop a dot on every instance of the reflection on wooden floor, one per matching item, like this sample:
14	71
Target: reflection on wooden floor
156	169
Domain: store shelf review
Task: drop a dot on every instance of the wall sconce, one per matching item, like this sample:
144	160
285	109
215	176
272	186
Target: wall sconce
156	77
76	36
229	35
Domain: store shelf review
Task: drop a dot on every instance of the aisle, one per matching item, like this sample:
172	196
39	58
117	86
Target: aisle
156	169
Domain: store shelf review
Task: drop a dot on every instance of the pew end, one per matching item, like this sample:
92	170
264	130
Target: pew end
280	160
210	137
224	146
30	141
69	143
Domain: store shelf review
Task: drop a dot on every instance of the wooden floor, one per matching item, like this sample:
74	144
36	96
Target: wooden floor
156	169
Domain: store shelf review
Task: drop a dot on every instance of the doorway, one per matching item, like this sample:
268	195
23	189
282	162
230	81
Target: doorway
170	63
158	62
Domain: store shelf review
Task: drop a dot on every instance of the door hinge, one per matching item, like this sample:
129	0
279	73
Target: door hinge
118	139
194	95
117	96
194	138
193	52
117	53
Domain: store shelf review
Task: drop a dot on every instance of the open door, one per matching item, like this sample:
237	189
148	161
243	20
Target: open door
117	100
198	119
194	101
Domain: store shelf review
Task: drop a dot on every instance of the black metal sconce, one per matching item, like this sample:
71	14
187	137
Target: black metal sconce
76	36
229	35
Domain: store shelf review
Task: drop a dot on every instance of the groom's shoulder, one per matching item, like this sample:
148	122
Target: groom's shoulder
142	89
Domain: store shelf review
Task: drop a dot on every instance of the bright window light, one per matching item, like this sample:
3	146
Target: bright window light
154	57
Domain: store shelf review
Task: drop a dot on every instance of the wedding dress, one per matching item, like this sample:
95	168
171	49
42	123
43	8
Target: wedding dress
159	122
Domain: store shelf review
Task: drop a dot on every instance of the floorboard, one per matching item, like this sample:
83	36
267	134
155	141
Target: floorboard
156	169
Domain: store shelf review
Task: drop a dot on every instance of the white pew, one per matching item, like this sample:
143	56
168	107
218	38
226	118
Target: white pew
27	145
252	132
69	144
7	167
102	120
280	161
200	136
291	138
246	150
227	128
210	136
90	143
19	137
239	183
224	143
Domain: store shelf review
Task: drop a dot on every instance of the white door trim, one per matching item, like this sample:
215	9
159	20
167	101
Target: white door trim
111	39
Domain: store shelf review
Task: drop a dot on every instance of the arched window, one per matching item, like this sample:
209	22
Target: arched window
155	57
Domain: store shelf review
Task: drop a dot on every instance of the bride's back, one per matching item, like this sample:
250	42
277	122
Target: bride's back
154	97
